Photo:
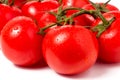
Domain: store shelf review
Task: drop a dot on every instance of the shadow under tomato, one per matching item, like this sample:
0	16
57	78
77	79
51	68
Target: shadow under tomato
39	65
96	71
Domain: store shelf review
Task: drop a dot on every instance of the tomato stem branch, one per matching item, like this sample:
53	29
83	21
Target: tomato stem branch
63	20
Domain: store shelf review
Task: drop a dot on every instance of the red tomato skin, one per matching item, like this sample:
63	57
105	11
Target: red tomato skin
109	40
20	42
44	18
67	51
33	7
30	8
110	7
7	13
75	3
108	16
90	19
110	44
83	20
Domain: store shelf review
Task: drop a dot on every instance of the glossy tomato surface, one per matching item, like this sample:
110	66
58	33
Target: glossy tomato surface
33	7
44	19
20	42
7	13
75	3
83	19
70	49
110	7
88	19
109	40
109	44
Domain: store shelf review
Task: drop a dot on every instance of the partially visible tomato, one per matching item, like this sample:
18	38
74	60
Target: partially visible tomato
44	18
33	7
20	42
67	51
83	20
75	3
109	40
110	7
90	19
7	13
108	16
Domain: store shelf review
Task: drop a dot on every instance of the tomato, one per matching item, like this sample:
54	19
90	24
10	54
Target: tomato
33	7
7	13
20	42
110	7
75	3
66	49
108	16
109	40
90	19
45	18
30	8
83	20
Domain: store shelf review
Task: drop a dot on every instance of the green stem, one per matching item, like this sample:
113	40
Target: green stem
90	12
107	2
102	27
12	3
60	2
4	2
98	12
48	26
62	19
71	8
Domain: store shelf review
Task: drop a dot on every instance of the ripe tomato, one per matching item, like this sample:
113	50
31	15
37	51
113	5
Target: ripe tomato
7	13
110	7
83	20
108	16
20	42
75	3
45	18
90	19
33	7
109	40
66	49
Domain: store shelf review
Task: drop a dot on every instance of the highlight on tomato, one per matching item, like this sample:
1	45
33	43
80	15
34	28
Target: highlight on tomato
20	42
70	49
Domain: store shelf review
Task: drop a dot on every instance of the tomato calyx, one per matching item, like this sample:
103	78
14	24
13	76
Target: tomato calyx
100	28
101	6
5	1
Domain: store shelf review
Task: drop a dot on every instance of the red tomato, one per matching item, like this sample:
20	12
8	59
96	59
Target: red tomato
108	16
109	40
110	7
90	19
44	18
67	51
7	13
75	3
33	7
20	42
83	20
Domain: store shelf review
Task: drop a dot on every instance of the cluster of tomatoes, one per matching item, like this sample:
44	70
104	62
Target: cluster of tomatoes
70	35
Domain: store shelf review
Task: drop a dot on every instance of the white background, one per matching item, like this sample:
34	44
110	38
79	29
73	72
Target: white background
99	71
